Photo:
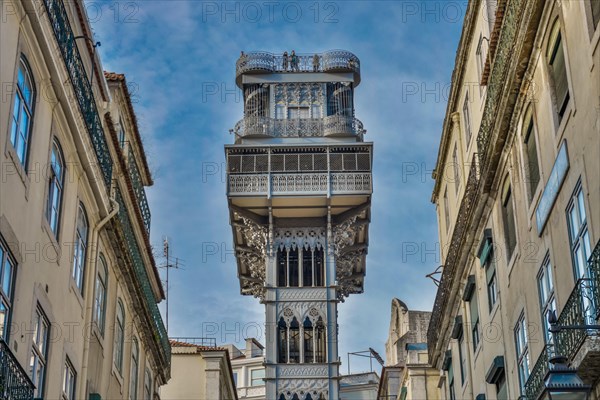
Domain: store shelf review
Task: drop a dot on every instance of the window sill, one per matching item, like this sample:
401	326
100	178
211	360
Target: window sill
118	376
513	261
19	168
495	309
96	332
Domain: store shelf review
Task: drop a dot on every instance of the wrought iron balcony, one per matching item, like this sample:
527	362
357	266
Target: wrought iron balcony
81	85
332	125
139	191
14	381
299	183
451	265
582	308
160	333
329	61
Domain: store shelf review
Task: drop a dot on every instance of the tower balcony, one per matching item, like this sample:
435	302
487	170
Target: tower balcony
258	62
329	126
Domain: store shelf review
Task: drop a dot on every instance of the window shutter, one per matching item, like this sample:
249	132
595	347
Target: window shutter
474	310
490	269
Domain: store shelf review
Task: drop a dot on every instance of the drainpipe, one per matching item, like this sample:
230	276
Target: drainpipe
89	290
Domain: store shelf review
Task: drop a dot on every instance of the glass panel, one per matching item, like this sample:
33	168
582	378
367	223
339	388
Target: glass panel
281	268
293	267
3	320
7	278
581	207
559	73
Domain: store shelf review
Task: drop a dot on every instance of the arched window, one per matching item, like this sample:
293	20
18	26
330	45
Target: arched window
281	267
308	397
321	396
320	342
80	247
294	351
283	341
55	187
148	385
281	396
295	397
133	376
119	336
22	112
558	69
300	266
100	299
309	353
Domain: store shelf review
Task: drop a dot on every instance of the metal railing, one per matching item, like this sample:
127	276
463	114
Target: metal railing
81	84
14	381
160	333
329	61
139	191
299	127
581	308
300	183
196	341
450	272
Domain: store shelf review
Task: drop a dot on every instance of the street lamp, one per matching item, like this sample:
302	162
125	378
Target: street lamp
563	383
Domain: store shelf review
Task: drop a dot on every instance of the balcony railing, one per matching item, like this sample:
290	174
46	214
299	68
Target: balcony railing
502	60
453	258
300	183
81	84
14	381
581	308
160	333
331	125
139	191
329	61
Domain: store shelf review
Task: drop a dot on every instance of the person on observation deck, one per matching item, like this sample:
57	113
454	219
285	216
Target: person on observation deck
284	61
294	61
316	62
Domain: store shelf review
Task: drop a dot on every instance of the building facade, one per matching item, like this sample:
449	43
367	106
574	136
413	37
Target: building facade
359	386
78	305
199	372
517	193
407	374
299	191
248	370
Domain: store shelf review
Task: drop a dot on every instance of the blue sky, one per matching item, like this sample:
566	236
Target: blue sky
179	59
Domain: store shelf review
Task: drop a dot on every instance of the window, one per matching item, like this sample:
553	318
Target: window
578	233
547	300
475	325
279	111
446	210
100	300
55	187
462	355
7	273
148	385
298	112
309	338
492	285
501	389
121	133
300	266
467	118
257	377
235	378
22	115
480	60
119	336
69	381
451	383
456	168
294	342
80	248
595	6
39	352
522	347
533	170
508	219
320	341
289	339
558	70
133	374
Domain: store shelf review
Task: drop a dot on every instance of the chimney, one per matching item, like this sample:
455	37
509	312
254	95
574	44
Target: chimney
253	348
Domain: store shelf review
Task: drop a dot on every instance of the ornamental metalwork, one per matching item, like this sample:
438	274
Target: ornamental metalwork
81	85
253	256
306	238
535	382
302	387
329	61
14	380
158	327
331	125
338	183
450	273
138	190
502	60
